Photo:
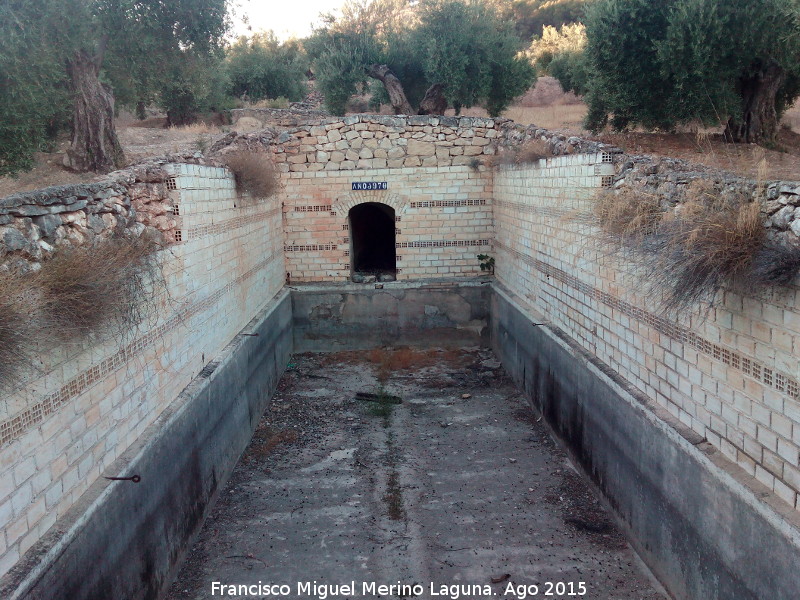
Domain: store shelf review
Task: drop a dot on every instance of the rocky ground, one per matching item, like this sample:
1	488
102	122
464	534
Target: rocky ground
458	484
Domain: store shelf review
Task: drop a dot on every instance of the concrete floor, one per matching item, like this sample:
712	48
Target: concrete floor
457	485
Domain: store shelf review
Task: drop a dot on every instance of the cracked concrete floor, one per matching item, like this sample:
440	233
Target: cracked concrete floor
456	485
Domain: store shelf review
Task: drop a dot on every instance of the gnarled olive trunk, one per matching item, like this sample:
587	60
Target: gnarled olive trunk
758	122
94	146
434	102
397	95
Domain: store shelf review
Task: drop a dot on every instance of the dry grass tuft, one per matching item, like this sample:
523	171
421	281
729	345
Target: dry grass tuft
627	215
530	152
255	174
690	253
17	328
103	288
775	263
696	250
198	128
280	102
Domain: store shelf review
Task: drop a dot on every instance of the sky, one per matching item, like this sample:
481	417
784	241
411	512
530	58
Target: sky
287	18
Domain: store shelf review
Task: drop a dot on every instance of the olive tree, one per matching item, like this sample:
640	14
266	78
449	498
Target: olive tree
432	54
727	62
75	39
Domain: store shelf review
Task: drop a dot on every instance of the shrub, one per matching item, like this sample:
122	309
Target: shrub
695	251
255	175
261	67
570	37
106	287
571	71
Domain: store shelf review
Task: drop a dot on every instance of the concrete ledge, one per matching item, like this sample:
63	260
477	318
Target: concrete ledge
702	531
428	313
125	540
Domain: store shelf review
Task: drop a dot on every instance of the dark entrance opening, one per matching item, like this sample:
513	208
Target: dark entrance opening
372	241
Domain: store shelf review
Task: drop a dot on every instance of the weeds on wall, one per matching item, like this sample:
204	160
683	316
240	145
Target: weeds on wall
711	240
96	291
104	287
255	175
530	152
16	326
486	262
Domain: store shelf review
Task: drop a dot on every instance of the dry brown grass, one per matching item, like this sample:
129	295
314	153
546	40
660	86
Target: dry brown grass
688	254
530	152
255	174
791	118
17	326
197	128
546	92
626	214
559	116
99	289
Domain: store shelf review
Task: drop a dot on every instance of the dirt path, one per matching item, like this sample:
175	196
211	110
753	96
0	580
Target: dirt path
440	489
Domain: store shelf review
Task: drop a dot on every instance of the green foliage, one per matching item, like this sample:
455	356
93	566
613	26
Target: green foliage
33	92
473	52
530	16
662	64
366	33
554	41
463	44
190	86
486	262
261	67
340	68
570	70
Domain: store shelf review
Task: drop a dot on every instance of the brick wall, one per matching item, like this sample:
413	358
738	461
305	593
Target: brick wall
732	378
443	220
86	404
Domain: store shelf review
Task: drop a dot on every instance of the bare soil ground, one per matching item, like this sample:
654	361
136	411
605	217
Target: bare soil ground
459	483
139	139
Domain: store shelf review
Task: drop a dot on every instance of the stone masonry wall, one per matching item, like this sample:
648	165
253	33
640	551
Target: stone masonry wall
34	224
731	378
84	405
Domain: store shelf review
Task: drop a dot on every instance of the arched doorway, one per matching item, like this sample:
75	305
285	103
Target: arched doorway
372	241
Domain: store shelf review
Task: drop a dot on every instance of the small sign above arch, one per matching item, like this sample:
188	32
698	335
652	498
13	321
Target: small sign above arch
363	186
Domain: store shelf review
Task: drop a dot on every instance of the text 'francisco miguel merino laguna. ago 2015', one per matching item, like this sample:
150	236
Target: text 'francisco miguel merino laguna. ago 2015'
371	589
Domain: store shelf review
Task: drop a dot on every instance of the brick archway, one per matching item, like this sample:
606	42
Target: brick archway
343	204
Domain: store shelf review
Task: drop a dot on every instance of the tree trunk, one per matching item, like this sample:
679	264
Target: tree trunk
94	146
434	102
758	122
397	95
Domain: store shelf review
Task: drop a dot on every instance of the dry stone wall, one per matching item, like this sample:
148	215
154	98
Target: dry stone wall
668	180
34	224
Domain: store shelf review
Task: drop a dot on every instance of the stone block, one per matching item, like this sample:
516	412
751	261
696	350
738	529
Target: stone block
418	148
